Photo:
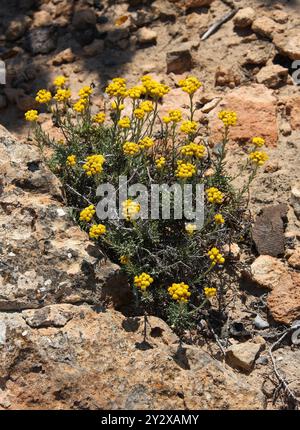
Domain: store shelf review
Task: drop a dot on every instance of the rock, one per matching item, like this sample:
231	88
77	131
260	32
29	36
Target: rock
63	57
146	35
3	101
285	128
287	363
94	49
85	365
266	27
17	28
232	251
294	259
284	300
201	21
260	54
244	17
42	18
191	4
266	271
44	257
272	76
243	355
164	11
257	112
288	44
295	200
260	323
226	76
84	19
41	40
49	316
179	60
280	16
268	230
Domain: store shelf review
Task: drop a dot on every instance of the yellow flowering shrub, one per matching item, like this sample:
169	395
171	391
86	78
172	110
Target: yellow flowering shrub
151	149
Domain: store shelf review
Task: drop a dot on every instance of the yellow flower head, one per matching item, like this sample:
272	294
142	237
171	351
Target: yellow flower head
59	81
71	160
31	115
219	219
62	94
85	92
115	106
214	195
179	292
185	170
139	113
188	127
87	213
93	164
190	228
136	92
147	106
143	281
130	209
258	157
190	85
160	162
258	141
210	292
153	88
99	118
131	148
117	88
124	122
175	115
215	256
43	96
166	119
124	259
193	150
146	143
80	106
96	231
229	118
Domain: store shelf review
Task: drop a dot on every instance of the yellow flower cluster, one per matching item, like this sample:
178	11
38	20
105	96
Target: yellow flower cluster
93	164
179	292
146	143
124	122
193	150
62	94
124	259
43	96
258	141
59	81
71	160
258	157
185	170
219	219
153	88
215	256
143	281
80	105
117	88
131	148
210	292
160	162
97	230
136	92
99	118
190	228
190	85
130	209
115	106
139	113
31	115
188	127
214	195
175	115
147	106
229	118
85	92
87	213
